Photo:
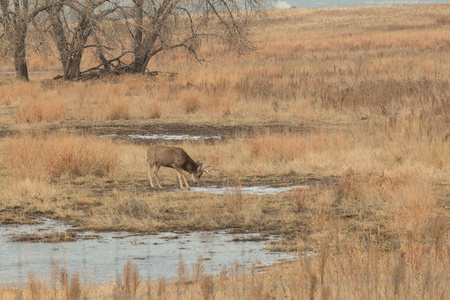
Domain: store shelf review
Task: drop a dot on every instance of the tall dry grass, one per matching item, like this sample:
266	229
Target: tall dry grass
40	156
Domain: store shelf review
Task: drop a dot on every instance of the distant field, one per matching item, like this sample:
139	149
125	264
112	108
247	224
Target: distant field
354	102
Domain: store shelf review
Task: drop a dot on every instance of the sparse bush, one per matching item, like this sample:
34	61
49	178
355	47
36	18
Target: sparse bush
135	208
119	110
198	269
190	103
234	200
154	110
298	199
128	282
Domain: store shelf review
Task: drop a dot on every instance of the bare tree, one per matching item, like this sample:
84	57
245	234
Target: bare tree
115	28
143	28
15	17
72	24
158	25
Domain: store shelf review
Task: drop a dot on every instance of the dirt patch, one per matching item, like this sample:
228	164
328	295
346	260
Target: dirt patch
124	130
142	185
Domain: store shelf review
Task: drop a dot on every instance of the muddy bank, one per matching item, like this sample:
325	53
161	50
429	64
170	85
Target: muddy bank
152	133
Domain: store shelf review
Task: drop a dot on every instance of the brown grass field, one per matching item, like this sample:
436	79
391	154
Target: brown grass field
354	102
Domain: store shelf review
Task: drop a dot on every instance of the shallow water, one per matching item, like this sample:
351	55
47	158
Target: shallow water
99	260
168	137
253	190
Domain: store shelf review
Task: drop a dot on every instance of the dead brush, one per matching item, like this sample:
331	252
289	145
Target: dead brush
276	147
154	110
135	208
183	273
42	109
74	290
198	269
349	187
207	287
72	287
234	200
190	103
298	199
162	288
35	287
128	282
119	110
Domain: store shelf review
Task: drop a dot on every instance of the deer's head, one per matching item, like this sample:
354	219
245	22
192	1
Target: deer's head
198	173
200	170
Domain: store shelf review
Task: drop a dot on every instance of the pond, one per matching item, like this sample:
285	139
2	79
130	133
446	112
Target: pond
99	259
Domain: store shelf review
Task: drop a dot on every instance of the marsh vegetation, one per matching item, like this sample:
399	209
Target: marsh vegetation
353	102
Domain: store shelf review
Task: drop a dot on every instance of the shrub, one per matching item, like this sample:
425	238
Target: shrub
190	103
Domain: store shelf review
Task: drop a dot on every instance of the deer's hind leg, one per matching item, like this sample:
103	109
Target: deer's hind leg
150	175
154	170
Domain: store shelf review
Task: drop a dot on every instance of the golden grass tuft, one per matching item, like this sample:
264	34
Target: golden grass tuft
120	109
234	201
128	282
154	110
190	102
36	110
54	155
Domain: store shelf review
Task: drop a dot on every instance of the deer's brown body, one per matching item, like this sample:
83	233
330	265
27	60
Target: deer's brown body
172	157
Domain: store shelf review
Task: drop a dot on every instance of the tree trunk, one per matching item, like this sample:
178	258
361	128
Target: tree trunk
20	61
139	51
70	53
21	67
72	69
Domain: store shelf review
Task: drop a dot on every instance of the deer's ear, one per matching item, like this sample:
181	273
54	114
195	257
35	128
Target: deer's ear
200	166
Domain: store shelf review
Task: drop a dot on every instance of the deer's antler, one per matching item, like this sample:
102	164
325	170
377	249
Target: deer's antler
211	166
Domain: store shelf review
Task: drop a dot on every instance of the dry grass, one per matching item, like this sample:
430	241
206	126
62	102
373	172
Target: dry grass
50	156
344	271
372	95
347	67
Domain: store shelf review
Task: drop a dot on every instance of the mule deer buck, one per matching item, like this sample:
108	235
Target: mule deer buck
176	158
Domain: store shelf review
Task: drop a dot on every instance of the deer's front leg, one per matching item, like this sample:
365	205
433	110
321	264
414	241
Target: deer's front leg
155	171
150	177
179	178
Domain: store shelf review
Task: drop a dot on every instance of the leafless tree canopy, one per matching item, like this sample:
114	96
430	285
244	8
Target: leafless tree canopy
15	17
139	29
